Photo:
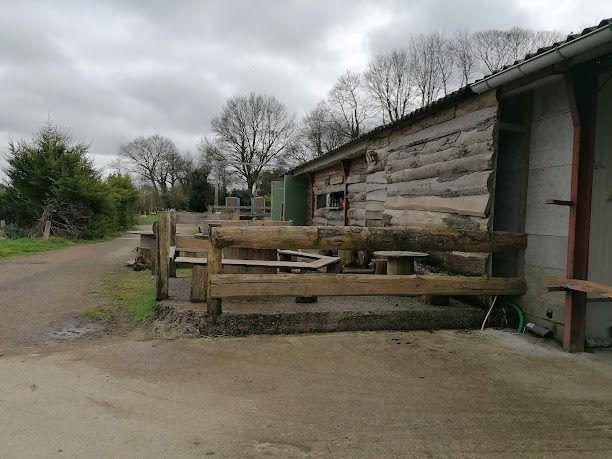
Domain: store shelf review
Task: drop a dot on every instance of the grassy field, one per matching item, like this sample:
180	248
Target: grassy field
146	219
131	296
26	245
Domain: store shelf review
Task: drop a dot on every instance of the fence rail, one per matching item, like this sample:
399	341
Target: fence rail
354	238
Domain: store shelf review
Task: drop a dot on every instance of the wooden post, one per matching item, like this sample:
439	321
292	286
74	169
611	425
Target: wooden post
199	284
380	266
215	266
162	262
400	266
47	231
172	266
582	96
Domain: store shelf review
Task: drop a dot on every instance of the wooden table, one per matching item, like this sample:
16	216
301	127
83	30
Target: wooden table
238	253
398	261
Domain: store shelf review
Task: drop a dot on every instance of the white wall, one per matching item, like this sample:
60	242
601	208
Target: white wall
546	225
599	311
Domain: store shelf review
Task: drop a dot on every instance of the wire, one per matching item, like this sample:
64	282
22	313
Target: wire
488	313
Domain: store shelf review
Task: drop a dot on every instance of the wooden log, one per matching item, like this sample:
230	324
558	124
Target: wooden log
427	219
199	284
464	185
476	206
252	285
483	117
369	239
173	220
446	168
377	177
47	231
162	271
215	267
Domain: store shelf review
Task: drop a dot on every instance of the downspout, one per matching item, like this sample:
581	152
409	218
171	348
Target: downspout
553	56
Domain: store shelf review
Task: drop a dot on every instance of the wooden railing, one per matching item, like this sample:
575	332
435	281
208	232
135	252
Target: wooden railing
354	238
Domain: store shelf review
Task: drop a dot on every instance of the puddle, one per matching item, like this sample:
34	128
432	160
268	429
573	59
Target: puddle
71	332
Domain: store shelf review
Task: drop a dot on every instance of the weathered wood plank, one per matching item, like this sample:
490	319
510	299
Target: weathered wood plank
352	238
215	267
162	271
445	153
447	168
476	206
579	285
428	219
199	284
191	244
464	185
250	285
483	116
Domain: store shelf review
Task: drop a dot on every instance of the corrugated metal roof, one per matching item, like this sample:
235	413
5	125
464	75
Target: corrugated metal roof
463	92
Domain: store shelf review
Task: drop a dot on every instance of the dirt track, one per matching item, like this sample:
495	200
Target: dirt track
385	394
43	295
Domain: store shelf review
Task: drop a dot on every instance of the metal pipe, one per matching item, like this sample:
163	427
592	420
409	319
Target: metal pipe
560	53
538	330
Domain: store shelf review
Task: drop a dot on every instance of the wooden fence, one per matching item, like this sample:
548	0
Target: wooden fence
354	238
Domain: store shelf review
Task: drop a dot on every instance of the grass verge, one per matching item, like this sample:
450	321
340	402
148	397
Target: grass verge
130	295
145	219
26	245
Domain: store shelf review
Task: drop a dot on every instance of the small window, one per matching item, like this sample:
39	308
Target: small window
336	200
321	201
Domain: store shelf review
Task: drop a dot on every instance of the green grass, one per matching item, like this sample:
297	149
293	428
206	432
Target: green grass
26	245
146	219
131	296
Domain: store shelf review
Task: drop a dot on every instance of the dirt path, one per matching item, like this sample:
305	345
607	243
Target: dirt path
43	295
376	394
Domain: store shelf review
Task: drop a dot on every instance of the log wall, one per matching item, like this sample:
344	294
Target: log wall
435	172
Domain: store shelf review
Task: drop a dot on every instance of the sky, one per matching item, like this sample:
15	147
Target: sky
113	70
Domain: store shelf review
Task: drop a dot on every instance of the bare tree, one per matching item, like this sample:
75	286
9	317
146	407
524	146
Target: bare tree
316	133
464	58
251	132
426	66
389	83
157	161
496	48
348	105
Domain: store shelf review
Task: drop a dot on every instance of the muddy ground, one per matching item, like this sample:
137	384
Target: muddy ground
371	394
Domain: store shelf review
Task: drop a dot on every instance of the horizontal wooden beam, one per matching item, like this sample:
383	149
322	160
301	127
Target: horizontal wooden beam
578	285
252	285
369	239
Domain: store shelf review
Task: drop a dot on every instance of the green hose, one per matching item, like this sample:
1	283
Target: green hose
521	316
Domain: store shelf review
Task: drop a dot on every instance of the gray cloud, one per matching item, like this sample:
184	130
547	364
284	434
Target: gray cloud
111	71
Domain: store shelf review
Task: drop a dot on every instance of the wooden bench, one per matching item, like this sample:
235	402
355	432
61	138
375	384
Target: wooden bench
199	273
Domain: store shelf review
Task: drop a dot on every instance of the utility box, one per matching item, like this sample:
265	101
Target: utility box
278	196
295	199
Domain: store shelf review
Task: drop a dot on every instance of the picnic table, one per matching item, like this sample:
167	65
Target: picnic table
398	261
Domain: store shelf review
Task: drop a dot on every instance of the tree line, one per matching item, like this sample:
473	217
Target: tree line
253	140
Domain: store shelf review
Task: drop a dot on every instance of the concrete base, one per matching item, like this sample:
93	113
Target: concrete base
329	314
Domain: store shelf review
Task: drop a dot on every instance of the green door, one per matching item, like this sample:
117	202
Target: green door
278	194
296	199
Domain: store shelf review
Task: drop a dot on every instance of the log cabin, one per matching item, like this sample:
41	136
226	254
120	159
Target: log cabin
526	149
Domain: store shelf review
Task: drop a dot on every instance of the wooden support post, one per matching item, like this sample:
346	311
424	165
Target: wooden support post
215	267
400	266
582	96
163	262
47	231
173	218
199	284
380	266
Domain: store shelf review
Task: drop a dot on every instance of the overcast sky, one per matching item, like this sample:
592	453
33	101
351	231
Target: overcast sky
114	70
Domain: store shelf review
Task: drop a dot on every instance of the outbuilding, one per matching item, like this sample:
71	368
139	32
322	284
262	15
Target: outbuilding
526	149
